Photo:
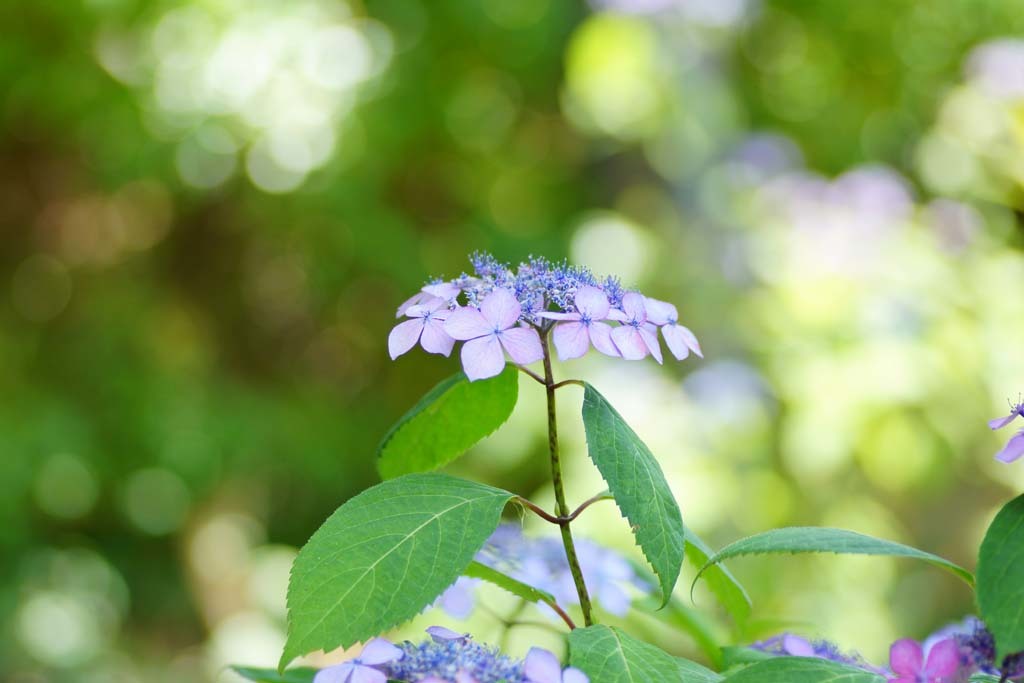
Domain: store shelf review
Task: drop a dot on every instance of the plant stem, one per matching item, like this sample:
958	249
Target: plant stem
556	479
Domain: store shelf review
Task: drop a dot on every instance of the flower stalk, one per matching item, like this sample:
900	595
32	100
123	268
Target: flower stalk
561	506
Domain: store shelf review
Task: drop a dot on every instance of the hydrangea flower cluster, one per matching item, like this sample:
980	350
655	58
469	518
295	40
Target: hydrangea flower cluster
447	657
498	311
950	655
540	562
1015	446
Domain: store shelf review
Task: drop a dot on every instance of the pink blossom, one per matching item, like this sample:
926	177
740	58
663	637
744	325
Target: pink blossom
635	337
426	327
907	660
575	332
490	332
679	339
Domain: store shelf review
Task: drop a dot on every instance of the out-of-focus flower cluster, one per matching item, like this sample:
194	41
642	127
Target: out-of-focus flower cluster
950	655
447	657
541	563
506	311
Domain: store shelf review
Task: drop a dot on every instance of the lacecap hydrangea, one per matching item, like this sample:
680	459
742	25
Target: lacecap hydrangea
498	311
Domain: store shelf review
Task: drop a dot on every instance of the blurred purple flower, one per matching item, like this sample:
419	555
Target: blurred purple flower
908	663
440	634
635	337
425	327
575	332
460	599
490	329
364	668
787	644
543	667
1014	448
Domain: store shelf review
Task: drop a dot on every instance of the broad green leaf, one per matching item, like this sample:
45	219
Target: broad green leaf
1001	578
527	592
723	584
384	556
801	670
692	671
446	422
984	678
825	540
638	485
607	655
297	675
741	656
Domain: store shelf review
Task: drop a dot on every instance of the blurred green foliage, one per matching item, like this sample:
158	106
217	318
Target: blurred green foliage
209	211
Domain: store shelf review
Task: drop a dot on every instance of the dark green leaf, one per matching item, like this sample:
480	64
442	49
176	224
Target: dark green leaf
801	670
297	675
607	655
825	540
723	584
384	556
1001	578
636	481
446	422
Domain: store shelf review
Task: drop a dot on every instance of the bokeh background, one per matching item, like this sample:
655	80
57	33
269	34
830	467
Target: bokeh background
209	210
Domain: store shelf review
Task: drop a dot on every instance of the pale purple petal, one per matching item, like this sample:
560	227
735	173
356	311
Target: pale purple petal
404	336
440	634
905	657
592	302
1001	422
435	339
341	673
445	291
554	315
691	340
378	651
660	312
571	340
415	299
649	333
1013	449
482	358
617	315
629	342
601	338
673	335
523	345
574	675
633	307
431	304
467	323
500	309
433	679
797	646
463	677
364	674
943	659
542	667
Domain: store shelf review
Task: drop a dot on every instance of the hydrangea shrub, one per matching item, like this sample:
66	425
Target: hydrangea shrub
422	539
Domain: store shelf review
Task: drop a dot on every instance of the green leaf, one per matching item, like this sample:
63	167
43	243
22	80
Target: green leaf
607	655
801	670
723	584
1001	578
692	671
984	678
384	556
825	540
636	481
741	656
446	422
297	675
513	586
